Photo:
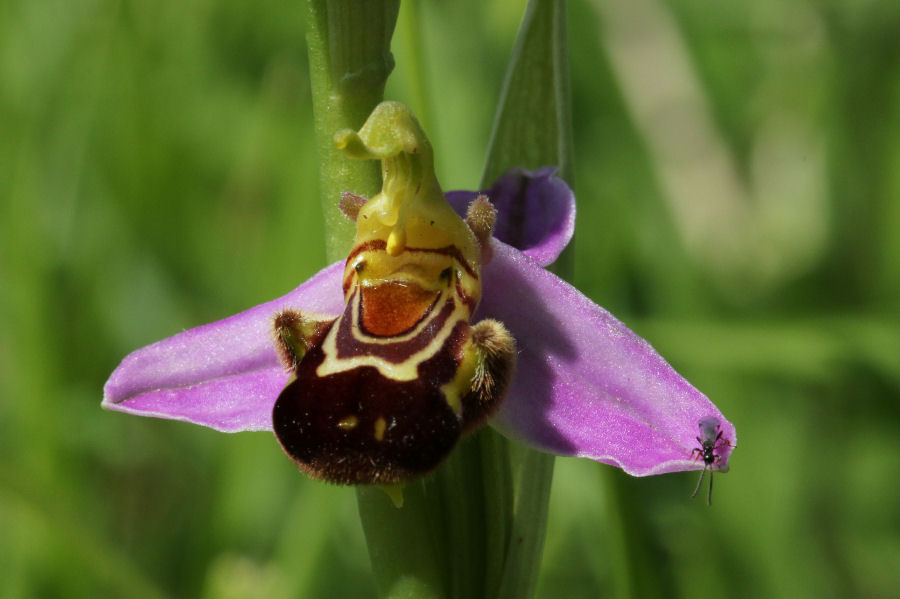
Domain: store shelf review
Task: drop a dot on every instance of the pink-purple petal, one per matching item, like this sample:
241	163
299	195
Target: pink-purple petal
585	384
535	211
225	375
230	404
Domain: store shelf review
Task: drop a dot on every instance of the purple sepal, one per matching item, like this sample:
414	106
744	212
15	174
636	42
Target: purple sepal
226	374
535	211
585	384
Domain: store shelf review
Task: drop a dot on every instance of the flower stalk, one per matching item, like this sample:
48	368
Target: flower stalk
532	128
349	62
475	487
404	546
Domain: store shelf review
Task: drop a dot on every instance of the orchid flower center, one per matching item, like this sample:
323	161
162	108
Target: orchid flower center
382	393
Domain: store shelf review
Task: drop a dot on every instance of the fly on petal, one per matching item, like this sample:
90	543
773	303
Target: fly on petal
712	442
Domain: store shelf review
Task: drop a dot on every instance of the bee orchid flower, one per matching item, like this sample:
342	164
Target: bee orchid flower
576	380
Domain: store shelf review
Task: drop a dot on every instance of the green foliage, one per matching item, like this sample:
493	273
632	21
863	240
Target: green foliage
158	171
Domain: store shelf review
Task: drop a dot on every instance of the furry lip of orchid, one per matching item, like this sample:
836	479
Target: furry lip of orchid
374	360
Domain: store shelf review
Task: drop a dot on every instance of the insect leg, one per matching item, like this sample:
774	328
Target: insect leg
700	482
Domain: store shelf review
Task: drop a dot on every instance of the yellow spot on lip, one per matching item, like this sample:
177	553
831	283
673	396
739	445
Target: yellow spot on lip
380	425
349	423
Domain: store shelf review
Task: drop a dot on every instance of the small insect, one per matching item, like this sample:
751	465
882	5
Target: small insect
710	440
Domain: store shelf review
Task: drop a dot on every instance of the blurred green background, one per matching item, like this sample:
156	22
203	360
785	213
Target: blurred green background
738	175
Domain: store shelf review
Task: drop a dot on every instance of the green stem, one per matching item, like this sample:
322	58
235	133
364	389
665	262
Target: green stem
498	485
403	543
410	27
533	126
473	493
532	129
349	62
634	571
457	485
529	527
